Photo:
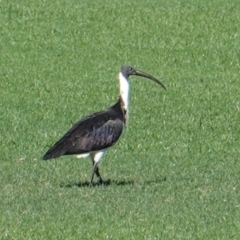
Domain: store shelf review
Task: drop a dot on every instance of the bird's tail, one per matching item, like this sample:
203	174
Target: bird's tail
57	150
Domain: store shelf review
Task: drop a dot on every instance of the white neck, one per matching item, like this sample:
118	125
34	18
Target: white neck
124	90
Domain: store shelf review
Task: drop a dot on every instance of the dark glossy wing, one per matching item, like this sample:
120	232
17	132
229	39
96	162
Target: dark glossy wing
98	138
97	131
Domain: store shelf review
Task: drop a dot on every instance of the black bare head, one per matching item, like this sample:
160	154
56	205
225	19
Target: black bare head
127	71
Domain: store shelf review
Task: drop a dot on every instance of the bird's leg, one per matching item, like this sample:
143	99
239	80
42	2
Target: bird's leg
98	176
96	156
94	170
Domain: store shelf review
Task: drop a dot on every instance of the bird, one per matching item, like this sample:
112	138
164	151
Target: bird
95	133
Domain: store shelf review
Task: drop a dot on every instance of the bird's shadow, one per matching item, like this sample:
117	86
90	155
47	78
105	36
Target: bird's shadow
112	182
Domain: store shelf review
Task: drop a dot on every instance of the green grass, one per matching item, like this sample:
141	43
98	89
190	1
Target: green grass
175	171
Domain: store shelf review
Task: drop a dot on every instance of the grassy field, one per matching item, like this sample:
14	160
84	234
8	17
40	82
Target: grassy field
175	172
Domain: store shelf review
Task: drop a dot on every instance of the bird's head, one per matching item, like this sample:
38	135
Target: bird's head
128	71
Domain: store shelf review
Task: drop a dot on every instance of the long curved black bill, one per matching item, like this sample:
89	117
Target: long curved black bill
146	75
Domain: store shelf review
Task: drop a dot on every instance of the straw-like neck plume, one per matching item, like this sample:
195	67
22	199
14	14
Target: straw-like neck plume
124	90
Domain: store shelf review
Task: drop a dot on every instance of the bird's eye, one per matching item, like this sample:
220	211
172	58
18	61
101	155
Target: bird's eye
130	68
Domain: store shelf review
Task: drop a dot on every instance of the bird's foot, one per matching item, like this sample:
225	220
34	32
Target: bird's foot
100	182
105	183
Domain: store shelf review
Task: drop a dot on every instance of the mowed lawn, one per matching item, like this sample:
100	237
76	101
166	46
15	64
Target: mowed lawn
175	172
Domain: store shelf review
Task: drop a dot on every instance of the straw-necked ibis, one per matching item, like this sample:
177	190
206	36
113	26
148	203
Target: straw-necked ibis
93	134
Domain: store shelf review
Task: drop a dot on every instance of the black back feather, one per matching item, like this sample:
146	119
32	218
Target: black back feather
94	132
